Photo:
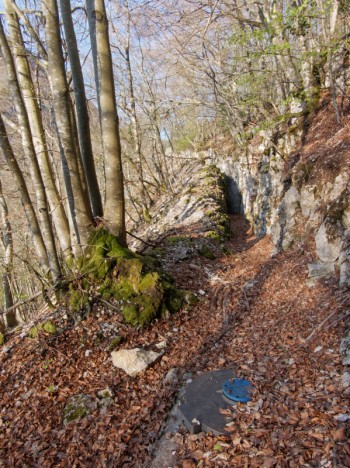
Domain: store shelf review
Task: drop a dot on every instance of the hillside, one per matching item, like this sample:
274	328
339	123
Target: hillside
261	311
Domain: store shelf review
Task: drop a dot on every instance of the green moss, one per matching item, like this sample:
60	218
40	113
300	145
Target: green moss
146	215
2	339
116	341
78	300
52	389
212	235
77	407
174	300
115	272
206	252
171	240
34	331
50	327
210	213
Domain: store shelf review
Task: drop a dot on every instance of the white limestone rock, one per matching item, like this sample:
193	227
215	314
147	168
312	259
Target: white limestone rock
134	361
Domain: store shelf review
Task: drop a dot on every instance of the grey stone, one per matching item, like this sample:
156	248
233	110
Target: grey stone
346	379
345	348
327	246
320	270
134	361
77	407
172	376
344	260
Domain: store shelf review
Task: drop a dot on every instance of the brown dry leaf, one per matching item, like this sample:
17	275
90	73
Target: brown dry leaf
188	464
316	435
339	434
197	454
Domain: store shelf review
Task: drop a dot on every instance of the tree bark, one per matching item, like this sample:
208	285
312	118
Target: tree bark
80	212
114	211
37	129
82	113
26	201
28	147
10	316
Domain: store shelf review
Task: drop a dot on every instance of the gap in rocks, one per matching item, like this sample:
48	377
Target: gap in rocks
234	199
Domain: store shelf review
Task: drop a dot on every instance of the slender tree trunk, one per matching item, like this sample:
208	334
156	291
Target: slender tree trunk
26	201
10	317
37	129
28	147
79	210
90	10
114	212
146	199
81	111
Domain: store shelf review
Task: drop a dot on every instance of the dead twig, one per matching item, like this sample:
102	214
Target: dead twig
141	240
318	328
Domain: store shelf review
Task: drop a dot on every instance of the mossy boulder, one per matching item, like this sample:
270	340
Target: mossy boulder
141	292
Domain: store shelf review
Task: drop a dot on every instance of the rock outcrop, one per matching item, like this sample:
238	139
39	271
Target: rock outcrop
295	186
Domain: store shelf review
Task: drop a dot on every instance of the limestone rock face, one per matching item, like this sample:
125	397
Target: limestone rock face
327	245
344	260
301	201
134	361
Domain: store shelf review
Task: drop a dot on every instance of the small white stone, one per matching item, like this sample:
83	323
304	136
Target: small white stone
201	292
88	352
161	344
342	417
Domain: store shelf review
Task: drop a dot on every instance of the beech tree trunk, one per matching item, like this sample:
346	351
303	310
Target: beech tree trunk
26	201
80	213
10	317
37	129
82	113
114	209
28	147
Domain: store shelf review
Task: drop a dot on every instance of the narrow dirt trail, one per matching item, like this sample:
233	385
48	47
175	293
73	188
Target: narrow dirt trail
254	316
266	312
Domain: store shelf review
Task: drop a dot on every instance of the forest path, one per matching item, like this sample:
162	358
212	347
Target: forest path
254	315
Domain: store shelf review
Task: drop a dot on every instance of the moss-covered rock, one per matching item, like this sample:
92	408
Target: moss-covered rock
115	341
111	271
34	331
50	328
77	407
